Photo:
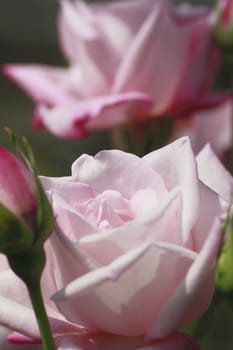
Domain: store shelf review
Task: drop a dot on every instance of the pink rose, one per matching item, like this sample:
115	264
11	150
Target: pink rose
132	256
127	60
212	126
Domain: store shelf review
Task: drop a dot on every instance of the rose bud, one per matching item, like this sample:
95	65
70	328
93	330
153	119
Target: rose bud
26	218
18	204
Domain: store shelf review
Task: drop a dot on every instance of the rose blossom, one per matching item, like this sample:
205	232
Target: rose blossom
132	256
127	60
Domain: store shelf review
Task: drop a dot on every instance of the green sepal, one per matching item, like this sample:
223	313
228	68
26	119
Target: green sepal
224	267
15	236
45	217
28	265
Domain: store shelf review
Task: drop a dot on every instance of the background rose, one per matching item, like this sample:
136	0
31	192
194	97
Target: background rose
134	247
130	59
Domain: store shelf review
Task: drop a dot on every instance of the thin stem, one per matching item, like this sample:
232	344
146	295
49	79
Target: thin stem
119	139
41	316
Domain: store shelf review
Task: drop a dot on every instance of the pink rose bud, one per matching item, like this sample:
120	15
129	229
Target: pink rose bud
17	187
224	25
18	204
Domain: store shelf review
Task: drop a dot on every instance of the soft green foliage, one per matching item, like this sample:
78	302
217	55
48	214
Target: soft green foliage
224	268
224	38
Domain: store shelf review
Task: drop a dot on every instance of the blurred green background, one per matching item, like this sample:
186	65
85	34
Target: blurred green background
28	34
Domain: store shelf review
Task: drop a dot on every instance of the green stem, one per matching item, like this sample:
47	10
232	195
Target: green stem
41	316
118	138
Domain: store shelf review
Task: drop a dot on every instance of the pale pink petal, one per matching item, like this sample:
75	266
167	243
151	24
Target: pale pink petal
202	59
12	289
51	182
119	171
186	304
177	166
131	12
100	341
65	201
18	317
176	341
182	107
48	85
209	125
6	344
118	291
16	311
209	209
4	265
77	120
120	21
82	42
177	45
18	338
214	175
99	34
69	261
135	70
161	223
73	25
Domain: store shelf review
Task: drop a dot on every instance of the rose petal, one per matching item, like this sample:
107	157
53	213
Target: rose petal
76	120
119	171
209	209
161	224
18	338
75	262
186	304
213	174
177	166
4	344
118	291
66	200
176	341
83	44
44	84
209	125
185	37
